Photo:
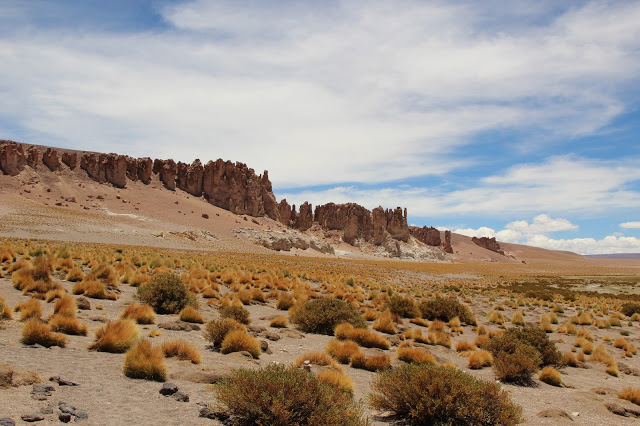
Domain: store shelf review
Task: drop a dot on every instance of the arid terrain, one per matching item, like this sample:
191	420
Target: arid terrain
233	244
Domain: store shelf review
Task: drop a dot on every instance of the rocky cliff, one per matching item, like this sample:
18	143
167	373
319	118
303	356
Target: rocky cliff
488	243
231	186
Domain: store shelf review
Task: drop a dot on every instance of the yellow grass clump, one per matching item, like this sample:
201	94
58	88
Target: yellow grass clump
190	314
630	394
284	301
68	325
36	332
142	314
337	380
93	289
75	274
116	336
479	359
361	336
238	341
415	356
29	309
279	322
342	351
65	306
464	346
518	318
144	361
216	330
385	323
372	363
181	350
496	317
5	312
318	358
550	376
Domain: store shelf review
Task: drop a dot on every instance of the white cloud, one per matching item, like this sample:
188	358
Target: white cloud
630	225
561	185
343	92
534	234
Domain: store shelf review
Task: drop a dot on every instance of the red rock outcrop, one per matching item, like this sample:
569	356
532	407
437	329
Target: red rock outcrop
166	171
447	242
429	236
286	213
392	221
50	159
190	177
32	157
488	243
352	219
12	159
111	168
304	218
70	159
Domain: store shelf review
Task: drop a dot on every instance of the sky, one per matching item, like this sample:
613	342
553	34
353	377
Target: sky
513	119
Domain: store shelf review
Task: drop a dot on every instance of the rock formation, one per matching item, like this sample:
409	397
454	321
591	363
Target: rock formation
447	242
488	243
429	236
12	158
50	159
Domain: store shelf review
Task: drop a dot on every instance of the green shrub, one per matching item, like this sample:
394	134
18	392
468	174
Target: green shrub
166	293
536	337
236	313
445	309
323	315
427	394
630	308
278	395
404	306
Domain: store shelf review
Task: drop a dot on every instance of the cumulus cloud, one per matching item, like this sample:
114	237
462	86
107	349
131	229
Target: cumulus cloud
321	92
630	225
534	233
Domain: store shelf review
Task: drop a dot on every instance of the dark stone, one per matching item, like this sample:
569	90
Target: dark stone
42	389
621	411
47	410
83	303
555	413
179	326
180	396
81	415
67	408
5	421
32	418
64	417
208	413
264	347
271	336
62	381
168	389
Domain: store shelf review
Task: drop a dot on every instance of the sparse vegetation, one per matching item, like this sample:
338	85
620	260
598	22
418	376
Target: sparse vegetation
117	336
143	361
445	309
431	394
323	315
237	341
166	293
35	332
181	350
142	314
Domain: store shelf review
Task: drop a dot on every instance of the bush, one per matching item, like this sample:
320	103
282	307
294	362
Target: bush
323	315
143	361
479	359
36	332
429	394
189	314
236	313
534	337
550	376
215	331
630	308
238	341
279	322
515	362
166	293
142	314
445	309
279	396
284	301
181	350
116	337
404	306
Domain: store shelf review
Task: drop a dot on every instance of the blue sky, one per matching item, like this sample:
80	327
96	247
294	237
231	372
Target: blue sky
512	119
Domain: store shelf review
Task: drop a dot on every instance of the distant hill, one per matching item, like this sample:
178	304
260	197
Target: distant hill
615	256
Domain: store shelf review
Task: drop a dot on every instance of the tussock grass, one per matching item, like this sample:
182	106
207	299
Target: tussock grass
361	336
181	350
74	275
479	359
464	346
630	394
342	351
279	322
142	314
36	332
238	341
318	358
116	337
337	380
29	309
190	314
550	376
5	312
68	325
385	323
236	313
143	361
93	289
65	306
415	356
215	331
371	363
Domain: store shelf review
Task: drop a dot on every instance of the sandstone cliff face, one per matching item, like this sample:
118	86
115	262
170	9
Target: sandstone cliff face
429	236
488	243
